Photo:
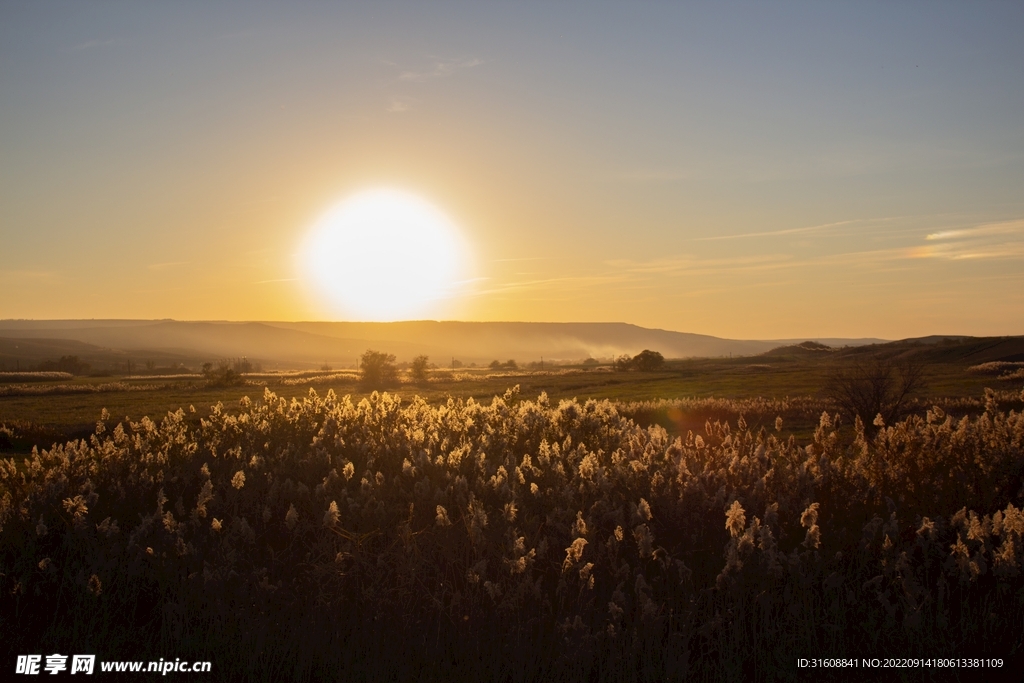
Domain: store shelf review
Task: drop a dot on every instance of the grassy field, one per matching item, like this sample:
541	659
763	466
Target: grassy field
521	535
517	539
44	413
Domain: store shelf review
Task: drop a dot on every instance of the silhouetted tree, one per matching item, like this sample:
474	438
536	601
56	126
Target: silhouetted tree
648	360
222	375
419	369
71	364
880	388
377	369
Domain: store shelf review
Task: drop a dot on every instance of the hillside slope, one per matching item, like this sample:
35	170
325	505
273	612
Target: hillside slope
293	344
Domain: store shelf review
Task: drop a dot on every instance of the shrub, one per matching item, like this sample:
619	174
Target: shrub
69	364
377	369
223	374
419	371
880	389
645	361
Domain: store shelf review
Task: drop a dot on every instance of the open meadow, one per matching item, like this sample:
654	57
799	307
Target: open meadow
714	519
48	410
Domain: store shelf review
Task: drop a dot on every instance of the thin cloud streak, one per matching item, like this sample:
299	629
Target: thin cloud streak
400	105
690	263
442	68
1002	228
807	229
641	275
1002	240
775	233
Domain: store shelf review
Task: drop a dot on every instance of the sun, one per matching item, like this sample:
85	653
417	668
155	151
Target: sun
385	255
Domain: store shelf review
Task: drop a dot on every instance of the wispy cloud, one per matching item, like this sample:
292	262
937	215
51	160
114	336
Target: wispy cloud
634	276
1015	227
689	263
959	252
698	275
854	223
440	68
775	233
1002	240
399	105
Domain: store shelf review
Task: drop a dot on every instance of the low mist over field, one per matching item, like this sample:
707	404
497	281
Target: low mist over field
295	345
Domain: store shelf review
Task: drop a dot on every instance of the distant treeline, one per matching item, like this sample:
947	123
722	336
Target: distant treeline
230	369
73	365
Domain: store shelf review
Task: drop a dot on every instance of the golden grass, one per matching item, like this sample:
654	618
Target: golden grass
515	540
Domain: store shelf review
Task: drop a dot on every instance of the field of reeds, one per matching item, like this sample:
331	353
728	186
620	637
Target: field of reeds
43	413
516	540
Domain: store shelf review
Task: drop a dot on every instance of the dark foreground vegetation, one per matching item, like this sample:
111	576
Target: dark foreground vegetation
518	540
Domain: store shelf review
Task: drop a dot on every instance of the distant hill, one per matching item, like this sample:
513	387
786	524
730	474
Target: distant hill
949	349
487	341
807	348
205	340
301	344
21	353
954	350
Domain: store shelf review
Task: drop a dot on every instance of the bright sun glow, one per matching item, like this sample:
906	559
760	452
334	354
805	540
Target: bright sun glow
385	255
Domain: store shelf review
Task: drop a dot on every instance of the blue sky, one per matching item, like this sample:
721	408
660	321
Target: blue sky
750	170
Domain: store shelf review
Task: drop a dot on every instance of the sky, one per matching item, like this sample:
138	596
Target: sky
747	170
